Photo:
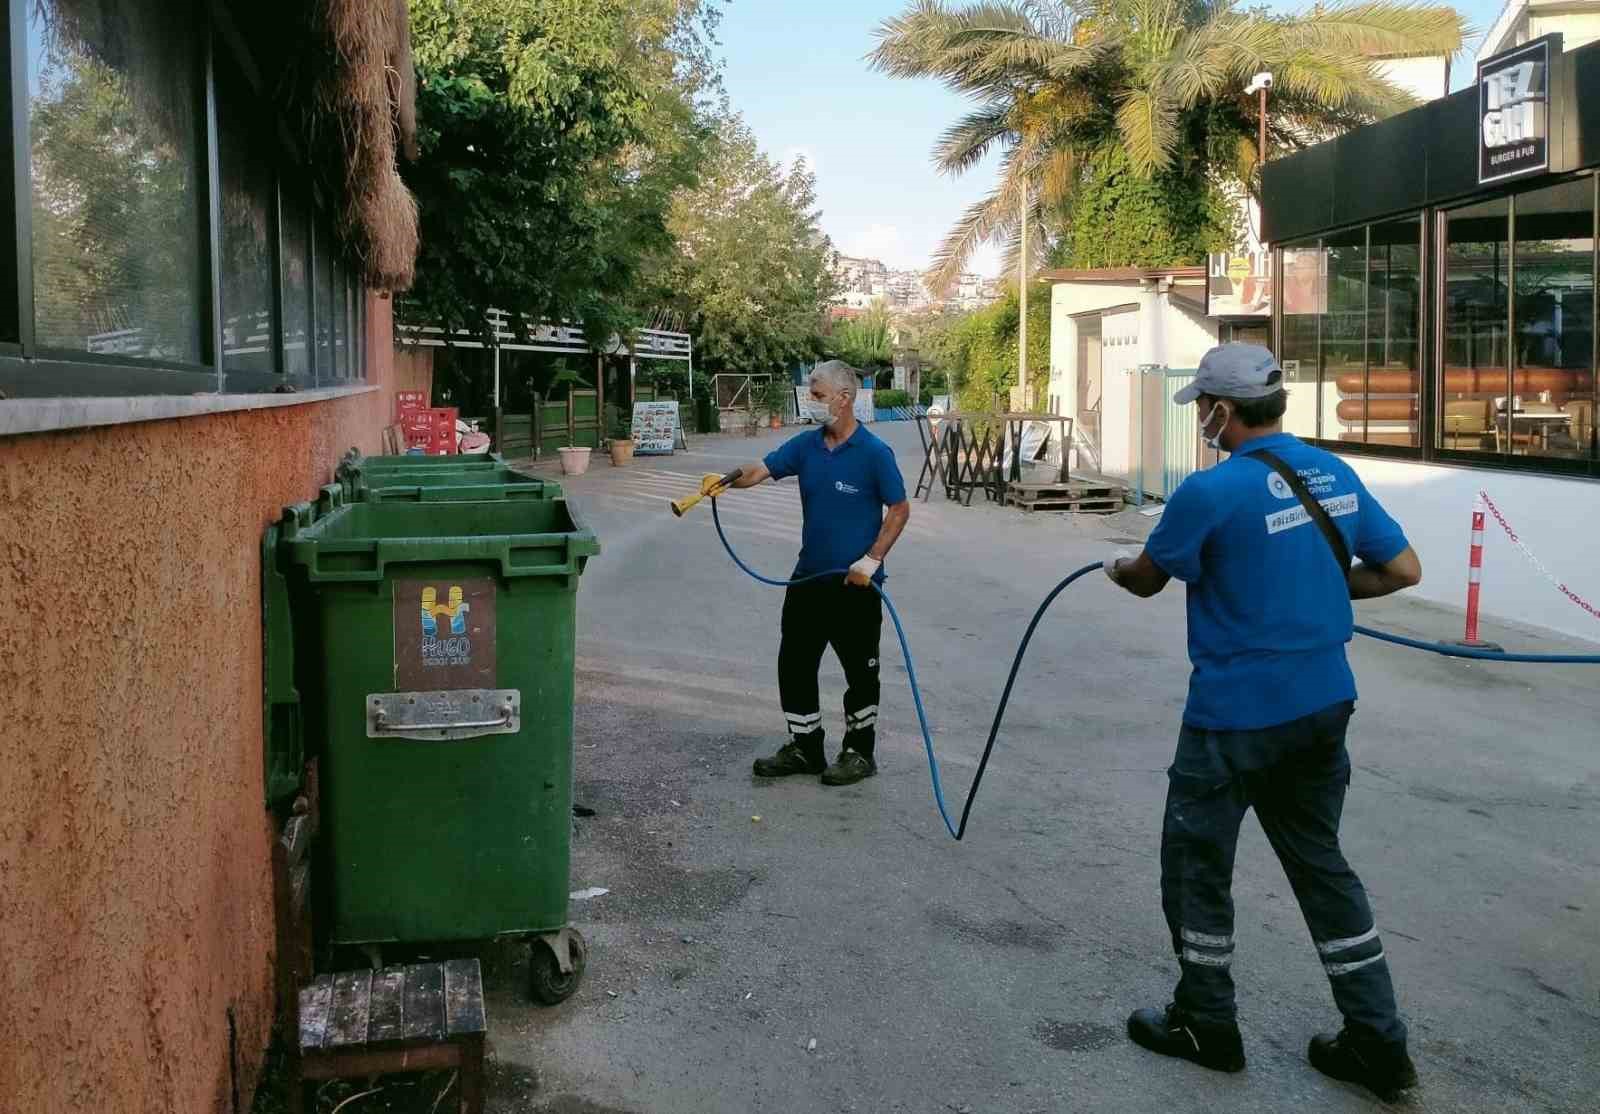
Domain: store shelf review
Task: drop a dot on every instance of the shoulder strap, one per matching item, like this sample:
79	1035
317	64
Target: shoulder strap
1318	513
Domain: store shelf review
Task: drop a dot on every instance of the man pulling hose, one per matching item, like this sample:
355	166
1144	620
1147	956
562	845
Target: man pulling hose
1259	540
854	507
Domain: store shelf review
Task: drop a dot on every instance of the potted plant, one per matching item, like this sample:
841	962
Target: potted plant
574	458
776	400
621	443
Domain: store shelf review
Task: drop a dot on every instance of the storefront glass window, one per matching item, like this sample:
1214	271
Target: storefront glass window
1304	296
1343	346
1394	320
1553	354
1476	337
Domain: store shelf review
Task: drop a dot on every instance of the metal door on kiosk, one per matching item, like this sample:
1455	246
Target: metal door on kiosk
1119	410
1086	416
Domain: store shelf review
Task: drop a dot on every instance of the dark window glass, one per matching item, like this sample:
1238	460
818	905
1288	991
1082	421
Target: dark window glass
1552	411
112	90
1343	346
1476	336
1394	324
360	295
243	148
324	296
341	321
296	285
1305	295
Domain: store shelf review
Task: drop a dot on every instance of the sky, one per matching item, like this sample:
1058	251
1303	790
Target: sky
796	70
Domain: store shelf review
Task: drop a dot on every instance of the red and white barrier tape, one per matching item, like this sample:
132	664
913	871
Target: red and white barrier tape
1534	561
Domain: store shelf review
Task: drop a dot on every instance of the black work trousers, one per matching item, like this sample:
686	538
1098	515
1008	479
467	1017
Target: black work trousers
1294	776
816	615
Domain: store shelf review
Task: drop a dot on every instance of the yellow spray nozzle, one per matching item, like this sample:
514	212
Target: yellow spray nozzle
680	506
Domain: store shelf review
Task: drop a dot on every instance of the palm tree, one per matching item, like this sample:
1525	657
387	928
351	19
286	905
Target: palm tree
1057	82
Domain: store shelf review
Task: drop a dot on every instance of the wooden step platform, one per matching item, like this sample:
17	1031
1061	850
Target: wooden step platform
1075	496
422	1017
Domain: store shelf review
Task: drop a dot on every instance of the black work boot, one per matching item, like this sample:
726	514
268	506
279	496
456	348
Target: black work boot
1173	1032
1382	1067
850	767
794	757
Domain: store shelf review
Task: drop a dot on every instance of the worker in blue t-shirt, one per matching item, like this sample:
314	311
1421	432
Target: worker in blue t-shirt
1270	697
854	506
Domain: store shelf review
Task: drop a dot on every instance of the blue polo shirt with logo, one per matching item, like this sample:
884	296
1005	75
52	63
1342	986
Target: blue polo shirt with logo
843	491
1269	611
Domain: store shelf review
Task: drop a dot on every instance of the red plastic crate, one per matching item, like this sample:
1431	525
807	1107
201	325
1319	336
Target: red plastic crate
433	429
407	402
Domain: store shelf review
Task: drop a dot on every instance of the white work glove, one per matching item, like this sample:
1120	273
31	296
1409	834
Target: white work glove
862	572
1111	563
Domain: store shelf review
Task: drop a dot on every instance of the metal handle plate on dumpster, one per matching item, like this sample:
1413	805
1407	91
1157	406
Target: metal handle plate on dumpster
456	714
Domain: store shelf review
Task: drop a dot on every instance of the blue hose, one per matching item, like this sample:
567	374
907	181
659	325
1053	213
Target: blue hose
1445	649
955	830
959	830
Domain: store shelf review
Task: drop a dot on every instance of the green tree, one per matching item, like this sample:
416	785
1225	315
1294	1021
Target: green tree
1117	217
978	351
863	342
1056	84
751	270
553	137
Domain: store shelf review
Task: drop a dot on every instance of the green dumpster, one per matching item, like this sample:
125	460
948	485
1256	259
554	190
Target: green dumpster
446	717
422	485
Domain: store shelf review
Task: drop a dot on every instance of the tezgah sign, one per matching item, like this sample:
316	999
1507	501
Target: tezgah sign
1514	113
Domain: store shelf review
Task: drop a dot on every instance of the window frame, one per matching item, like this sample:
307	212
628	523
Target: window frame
1432	221
34	373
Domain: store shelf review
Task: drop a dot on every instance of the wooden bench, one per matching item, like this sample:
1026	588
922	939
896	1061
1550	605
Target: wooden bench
420	1017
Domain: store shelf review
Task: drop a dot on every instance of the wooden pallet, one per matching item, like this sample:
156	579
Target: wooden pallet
1075	496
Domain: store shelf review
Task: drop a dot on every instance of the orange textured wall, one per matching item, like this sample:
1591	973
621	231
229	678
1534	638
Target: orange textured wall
135	881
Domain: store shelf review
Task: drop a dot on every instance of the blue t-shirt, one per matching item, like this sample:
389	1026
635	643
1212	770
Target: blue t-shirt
842	496
1269	612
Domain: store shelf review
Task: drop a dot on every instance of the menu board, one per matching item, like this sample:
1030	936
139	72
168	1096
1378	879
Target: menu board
655	427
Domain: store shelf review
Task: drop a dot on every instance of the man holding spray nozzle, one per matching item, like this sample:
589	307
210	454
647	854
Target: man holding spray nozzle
854	506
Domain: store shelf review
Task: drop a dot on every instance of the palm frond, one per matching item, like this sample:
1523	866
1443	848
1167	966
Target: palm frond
1149	127
965	143
980	46
993	216
1380	28
1039	234
1222	52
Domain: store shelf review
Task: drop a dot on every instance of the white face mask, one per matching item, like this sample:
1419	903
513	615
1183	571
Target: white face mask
1214	440
817	411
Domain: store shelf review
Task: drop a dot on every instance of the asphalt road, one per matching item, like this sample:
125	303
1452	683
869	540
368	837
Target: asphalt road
747	919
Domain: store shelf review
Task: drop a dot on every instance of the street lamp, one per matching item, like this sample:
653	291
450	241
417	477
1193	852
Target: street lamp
1259	84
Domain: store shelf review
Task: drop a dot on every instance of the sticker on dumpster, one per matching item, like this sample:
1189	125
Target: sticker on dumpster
444	634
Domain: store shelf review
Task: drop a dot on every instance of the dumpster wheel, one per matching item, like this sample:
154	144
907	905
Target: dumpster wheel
555	965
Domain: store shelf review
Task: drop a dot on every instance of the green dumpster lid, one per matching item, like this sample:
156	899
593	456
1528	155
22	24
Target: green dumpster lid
353	542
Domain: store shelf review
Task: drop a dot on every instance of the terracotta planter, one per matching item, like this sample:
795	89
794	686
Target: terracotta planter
575	460
777	422
621	451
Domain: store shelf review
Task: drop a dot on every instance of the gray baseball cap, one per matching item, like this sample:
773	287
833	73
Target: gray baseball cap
1234	371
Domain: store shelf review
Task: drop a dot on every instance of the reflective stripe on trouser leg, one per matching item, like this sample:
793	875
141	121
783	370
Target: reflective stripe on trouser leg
1199	835
802	724
1363	989
1349	954
855	635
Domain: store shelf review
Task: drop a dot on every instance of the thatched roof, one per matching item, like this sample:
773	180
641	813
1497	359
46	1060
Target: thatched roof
363	113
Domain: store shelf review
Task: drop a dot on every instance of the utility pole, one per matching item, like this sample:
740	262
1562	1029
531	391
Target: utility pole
1022	293
1259	84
